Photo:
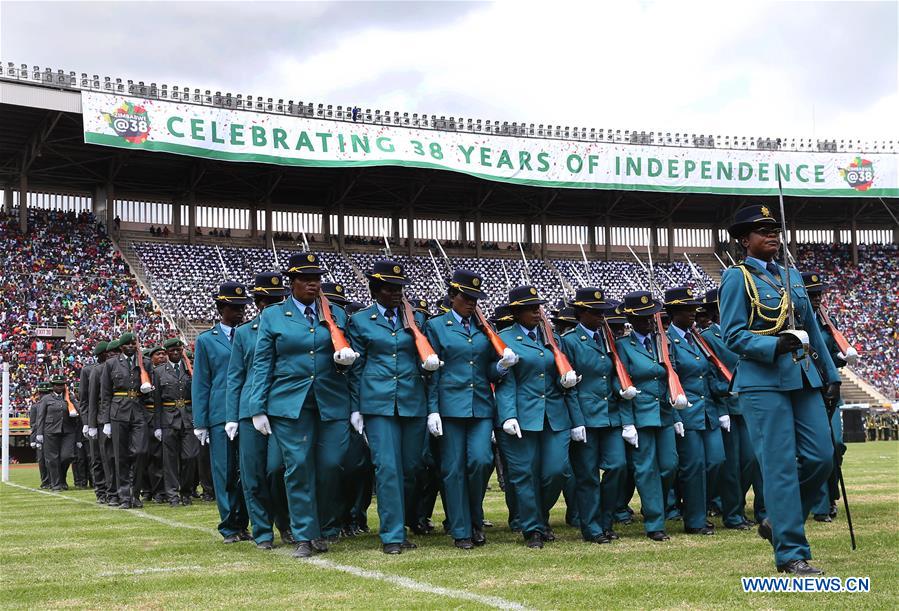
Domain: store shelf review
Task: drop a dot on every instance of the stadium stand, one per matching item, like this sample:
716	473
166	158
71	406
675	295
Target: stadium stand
64	273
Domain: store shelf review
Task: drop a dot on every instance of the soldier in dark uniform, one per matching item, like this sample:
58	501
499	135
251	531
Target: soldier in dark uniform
57	425
121	395
93	444
174	422
37	439
151	482
100	428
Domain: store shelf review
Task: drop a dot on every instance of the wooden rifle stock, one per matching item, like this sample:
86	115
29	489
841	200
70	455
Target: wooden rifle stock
838	337
69	405
710	355
337	337
144	376
187	363
624	378
562	363
675	389
421	342
498	344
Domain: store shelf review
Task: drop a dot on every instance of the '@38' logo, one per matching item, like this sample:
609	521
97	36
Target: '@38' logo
129	121
859	174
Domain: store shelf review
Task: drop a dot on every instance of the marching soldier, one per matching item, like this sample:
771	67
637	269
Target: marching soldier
261	464
100	427
300	397
780	389
37	438
208	389
589	353
57	426
93	444
152	481
462	407
535	418
387	390
740	469
174	424
649	423
121	397
700	447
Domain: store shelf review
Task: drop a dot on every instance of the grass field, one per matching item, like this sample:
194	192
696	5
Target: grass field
63	550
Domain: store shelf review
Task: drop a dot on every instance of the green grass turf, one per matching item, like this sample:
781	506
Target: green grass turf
57	553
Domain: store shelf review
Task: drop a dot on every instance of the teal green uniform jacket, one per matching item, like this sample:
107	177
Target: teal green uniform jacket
387	378
461	388
593	400
531	391
698	379
293	359
240	372
729	405
651	406
758	367
212	351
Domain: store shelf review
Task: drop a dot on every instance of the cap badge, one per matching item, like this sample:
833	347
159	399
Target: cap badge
533	291
238	290
475	282
765	212
597	294
397	269
276	281
644	299
310	258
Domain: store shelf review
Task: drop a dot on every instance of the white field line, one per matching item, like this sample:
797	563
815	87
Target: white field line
152	570
396	580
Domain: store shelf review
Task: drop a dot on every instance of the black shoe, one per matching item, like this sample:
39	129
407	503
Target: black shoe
207	497
137	504
658	535
601	539
464	543
478	537
56	489
487	524
611	535
392	548
125	505
287	538
714	512
147	497
44	486
705	530
765	532
534	540
406	544
823	518
65	486
186	500
798	567
175	503
101	500
422	528
549	536
304	549
113	501
751	523
708	524
245	536
331	539
740	526
264	545
235	538
320	545
833	510
159	499
626	521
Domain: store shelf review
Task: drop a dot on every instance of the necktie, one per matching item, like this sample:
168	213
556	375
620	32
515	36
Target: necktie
772	269
532	335
466	322
597	338
689	337
310	316
389	313
648	344
231	335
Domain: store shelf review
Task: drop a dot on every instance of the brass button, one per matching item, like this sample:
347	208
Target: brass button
657	399
541	354
541	375
394	355
469	340
394	377
394	333
312	377
700	377
312	352
542	396
471	362
471	385
604	377
311	330
702	396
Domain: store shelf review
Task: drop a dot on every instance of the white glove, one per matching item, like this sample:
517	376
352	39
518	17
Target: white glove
92	432
157	433
578	433
40	438
629	433
570	379
146	388
511	427
492	437
679	428
202	436
509	359
724	421
345	357
74	414
260	423
32	444
107	429
84	429
231	430
680	402
435	426
628	393
432	363
79	445
850	357
357	422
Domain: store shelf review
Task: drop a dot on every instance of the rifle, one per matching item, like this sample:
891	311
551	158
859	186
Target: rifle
337	336
422	345
624	378
845	347
69	405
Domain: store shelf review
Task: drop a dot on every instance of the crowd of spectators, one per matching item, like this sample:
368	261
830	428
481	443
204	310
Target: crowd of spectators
64	273
862	301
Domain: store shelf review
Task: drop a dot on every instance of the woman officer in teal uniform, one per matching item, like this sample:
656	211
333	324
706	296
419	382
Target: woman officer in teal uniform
649	423
461	402
778	384
535	416
388	399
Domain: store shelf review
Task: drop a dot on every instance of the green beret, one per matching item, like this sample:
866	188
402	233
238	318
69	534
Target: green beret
154	350
172	342
100	348
113	345
57	379
126	338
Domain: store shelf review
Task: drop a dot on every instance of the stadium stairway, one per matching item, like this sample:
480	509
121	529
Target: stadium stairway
856	390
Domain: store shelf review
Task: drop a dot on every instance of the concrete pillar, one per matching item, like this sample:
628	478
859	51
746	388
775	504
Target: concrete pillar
341	227
463	230
793	238
410	232
395	227
23	203
109	192
591	234
854	240
326	224
670	239
269	224
477	233
543	236
836	235
254	222
528	231
191	217
654	241
7	200
608	237
176	216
